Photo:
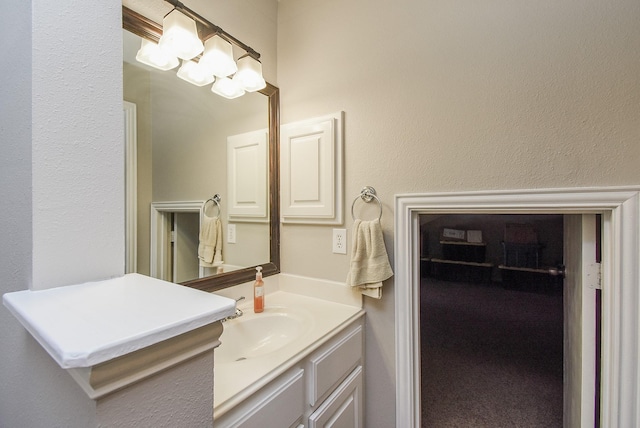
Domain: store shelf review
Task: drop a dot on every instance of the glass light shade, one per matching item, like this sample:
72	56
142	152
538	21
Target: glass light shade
180	36
249	74
227	88
151	54
194	74
218	57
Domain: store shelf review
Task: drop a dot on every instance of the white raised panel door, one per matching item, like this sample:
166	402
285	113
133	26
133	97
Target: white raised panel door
343	408
247	180
327	367
311	171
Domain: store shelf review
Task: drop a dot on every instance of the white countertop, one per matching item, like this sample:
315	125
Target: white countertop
87	324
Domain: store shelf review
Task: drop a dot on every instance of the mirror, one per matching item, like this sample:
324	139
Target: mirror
177	158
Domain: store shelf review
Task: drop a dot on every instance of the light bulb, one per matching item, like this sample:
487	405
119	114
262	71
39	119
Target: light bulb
151	54
180	36
194	74
227	88
218	57
249	74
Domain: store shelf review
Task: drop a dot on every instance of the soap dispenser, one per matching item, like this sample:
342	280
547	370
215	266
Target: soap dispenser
258	292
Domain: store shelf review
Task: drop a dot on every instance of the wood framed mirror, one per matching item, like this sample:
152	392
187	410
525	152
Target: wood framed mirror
143	27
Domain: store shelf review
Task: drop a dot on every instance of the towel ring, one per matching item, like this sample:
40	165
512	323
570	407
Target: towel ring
216	200
367	194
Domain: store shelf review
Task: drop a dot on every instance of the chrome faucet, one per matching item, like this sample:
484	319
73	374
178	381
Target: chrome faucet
238	313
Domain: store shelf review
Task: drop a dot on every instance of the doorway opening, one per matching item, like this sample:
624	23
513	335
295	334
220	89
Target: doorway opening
174	240
185	230
491	319
620	210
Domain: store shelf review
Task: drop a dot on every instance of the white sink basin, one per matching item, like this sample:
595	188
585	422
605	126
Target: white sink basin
256	335
257	347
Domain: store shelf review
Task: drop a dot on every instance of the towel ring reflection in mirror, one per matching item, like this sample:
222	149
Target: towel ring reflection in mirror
367	194
216	200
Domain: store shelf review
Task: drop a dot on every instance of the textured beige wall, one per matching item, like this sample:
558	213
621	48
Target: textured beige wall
452	96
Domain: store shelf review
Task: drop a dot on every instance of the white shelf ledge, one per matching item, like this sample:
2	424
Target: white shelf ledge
88	324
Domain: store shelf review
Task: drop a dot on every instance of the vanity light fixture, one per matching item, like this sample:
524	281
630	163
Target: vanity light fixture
194	73
181	32
228	88
151	54
180	36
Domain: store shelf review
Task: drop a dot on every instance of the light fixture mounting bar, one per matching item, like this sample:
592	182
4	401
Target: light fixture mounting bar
214	29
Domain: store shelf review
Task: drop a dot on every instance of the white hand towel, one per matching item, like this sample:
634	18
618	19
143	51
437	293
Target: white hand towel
369	260
210	246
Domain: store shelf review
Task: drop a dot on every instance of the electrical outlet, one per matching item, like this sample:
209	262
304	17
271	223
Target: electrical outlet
340	241
231	233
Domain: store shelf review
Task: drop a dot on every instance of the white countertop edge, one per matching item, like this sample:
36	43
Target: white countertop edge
21	306
50	348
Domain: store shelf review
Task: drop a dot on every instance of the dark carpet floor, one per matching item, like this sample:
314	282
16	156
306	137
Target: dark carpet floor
491	357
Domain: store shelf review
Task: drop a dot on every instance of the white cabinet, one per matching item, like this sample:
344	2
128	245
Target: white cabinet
333	362
247	176
311	165
322	390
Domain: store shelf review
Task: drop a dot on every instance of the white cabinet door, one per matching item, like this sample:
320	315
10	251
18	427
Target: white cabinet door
343	408
332	363
247	176
311	168
281	404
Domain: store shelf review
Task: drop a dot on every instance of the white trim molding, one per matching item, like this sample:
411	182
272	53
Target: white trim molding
102	379
131	186
161	230
620	209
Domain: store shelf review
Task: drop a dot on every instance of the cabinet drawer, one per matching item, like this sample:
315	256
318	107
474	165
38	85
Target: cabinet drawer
279	405
332	363
343	408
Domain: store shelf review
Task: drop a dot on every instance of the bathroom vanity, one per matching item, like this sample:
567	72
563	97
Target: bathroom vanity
301	365
297	364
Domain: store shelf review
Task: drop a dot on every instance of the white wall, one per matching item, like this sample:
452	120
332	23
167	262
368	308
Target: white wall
457	95
61	176
77	149
53	140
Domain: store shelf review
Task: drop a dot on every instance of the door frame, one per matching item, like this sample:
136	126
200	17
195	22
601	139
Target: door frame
620	209
160	233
